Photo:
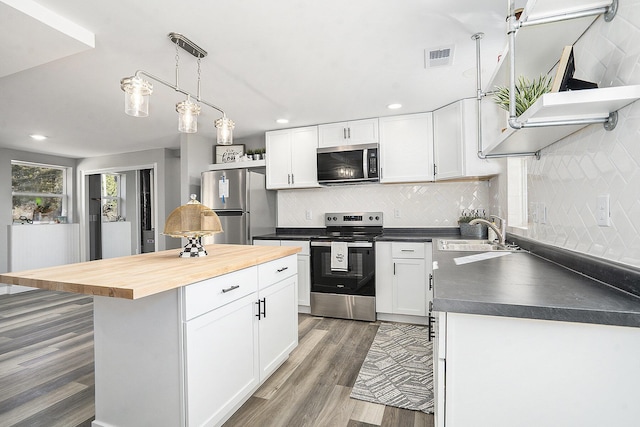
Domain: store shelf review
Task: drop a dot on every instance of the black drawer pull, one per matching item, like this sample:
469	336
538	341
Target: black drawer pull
280	270
224	291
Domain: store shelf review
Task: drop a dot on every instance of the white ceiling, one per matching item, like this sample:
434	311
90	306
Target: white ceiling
308	61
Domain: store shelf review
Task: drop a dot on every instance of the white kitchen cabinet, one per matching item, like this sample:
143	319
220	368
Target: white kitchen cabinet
406	148
402	281
191	356
455	143
218	380
348	133
291	158
277	317
493	369
304	269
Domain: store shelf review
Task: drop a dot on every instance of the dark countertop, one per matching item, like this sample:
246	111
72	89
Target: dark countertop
522	284
388	235
417	234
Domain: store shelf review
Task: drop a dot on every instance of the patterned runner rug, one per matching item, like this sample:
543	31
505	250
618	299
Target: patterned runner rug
398	370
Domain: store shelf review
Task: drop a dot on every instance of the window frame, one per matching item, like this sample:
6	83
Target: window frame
64	196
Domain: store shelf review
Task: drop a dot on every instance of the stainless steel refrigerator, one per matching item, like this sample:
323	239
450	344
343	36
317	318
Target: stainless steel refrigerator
243	204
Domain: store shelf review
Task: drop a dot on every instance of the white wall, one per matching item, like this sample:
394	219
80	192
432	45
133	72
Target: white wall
428	205
6	156
573	172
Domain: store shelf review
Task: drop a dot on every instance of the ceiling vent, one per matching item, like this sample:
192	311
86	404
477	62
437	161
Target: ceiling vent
438	57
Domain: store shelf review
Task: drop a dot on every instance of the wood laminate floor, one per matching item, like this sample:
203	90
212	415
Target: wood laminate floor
46	371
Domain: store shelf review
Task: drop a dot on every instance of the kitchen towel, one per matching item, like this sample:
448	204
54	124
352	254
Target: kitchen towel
339	256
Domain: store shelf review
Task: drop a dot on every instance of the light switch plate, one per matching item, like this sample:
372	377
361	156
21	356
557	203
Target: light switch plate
308	214
603	211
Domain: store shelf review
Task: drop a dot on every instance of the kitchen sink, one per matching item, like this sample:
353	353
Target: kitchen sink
474	245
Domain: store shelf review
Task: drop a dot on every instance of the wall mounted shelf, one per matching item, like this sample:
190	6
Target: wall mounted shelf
539	47
572	105
249	164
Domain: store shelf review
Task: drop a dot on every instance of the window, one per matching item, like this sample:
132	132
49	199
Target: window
39	192
111	197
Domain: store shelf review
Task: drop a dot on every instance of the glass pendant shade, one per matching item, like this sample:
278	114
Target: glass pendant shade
187	116
225	131
136	96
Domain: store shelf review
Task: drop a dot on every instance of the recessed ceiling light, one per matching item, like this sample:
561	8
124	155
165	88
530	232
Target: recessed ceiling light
394	106
38	137
282	121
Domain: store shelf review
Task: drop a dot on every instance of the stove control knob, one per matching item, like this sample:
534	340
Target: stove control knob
328	218
335	218
377	218
370	218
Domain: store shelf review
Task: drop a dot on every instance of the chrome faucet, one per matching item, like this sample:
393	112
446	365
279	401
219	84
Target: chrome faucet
500	232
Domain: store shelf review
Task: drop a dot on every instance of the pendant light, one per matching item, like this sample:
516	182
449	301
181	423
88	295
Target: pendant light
137	90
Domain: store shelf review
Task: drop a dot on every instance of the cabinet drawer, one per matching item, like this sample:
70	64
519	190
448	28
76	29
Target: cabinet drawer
407	250
273	271
210	294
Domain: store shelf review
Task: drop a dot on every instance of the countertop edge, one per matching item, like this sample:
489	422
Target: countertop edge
49	278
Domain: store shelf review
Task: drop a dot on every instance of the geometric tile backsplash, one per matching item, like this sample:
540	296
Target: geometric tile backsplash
430	205
573	172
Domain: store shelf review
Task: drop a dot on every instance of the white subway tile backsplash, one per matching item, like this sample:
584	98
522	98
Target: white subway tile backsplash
429	205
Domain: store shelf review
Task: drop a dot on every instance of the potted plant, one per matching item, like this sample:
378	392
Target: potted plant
527	92
262	152
479	231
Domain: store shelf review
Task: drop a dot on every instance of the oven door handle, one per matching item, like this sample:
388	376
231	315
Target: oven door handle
349	244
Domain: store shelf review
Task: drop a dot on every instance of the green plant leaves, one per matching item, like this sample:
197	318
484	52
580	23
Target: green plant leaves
527	92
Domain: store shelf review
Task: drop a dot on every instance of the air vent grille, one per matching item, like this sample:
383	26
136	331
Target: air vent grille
438	57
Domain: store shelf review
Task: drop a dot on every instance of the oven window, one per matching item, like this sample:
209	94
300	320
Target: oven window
358	280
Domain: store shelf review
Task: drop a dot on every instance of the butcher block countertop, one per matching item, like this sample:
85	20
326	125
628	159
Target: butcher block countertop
138	276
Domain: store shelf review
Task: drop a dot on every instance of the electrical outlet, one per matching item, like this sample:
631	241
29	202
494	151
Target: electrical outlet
308	214
603	211
396	213
542	213
534	213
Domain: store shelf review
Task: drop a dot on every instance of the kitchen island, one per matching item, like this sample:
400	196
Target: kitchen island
524	341
182	341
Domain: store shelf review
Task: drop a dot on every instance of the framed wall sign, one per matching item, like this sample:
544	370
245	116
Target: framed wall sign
228	153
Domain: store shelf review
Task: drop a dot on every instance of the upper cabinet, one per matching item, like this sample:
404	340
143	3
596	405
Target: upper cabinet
291	158
455	143
406	148
537	49
348	133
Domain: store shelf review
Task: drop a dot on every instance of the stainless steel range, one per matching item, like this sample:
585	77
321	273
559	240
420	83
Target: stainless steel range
343	266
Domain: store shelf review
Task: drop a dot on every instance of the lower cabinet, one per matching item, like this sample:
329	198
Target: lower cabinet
503	371
402	279
221	360
192	356
277	316
304	269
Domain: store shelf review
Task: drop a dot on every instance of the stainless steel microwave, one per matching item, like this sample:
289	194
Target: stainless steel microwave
348	164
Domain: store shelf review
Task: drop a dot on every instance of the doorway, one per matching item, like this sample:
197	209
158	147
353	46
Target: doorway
120	213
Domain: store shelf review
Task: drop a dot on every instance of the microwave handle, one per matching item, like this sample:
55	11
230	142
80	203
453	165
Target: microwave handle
365	162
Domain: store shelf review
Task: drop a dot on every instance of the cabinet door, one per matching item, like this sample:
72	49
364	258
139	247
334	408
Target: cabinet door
278	324
221	360
384	278
333	134
406	147
304	270
410	287
278	162
304	164
448	146
362	131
